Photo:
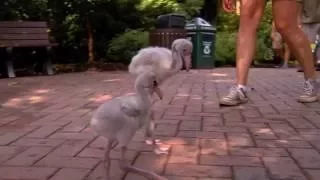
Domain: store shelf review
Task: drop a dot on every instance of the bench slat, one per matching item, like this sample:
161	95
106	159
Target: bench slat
42	36
24	43
23	30
23	24
24	36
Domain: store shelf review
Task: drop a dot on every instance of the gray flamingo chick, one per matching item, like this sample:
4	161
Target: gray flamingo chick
118	120
165	63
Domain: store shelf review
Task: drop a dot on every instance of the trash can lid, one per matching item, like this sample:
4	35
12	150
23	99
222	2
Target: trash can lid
199	23
171	14
171	20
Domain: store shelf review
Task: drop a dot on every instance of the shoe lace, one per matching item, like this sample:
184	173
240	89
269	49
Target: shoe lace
308	88
233	92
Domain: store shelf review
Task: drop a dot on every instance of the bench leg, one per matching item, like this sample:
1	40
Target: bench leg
47	65
8	62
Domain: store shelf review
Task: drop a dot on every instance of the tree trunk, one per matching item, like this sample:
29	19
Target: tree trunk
91	61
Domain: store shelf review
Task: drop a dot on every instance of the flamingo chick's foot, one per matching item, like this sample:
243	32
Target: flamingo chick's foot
163	178
159	151
151	141
160	148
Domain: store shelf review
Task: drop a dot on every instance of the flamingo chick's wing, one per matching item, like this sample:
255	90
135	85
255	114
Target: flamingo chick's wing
130	106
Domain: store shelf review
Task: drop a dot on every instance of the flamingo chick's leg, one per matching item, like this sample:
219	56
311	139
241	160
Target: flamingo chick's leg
115	143
150	139
150	129
127	167
107	161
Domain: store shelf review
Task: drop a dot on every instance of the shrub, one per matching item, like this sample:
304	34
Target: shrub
262	51
125	46
225	48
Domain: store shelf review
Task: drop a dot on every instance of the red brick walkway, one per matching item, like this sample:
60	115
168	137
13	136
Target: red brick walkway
44	130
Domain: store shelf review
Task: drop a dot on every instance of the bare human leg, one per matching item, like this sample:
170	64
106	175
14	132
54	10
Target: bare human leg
311	31
286	23
286	56
250	14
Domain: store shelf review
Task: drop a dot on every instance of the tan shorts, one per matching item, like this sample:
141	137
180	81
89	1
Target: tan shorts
311	30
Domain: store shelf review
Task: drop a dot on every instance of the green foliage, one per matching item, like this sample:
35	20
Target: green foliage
261	50
190	8
264	30
23	9
227	22
225	48
109	20
264	40
123	47
150	9
69	20
157	7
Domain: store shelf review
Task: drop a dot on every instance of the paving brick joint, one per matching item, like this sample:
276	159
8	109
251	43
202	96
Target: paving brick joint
44	132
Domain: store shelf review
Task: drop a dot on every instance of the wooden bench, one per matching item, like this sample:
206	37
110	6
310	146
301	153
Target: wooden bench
25	34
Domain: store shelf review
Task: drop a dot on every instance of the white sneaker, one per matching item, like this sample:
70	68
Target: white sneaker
235	97
310	92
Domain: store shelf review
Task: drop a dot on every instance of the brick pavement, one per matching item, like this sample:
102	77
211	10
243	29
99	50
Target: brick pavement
44	130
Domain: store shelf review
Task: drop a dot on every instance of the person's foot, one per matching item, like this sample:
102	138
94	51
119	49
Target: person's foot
310	92
235	97
282	66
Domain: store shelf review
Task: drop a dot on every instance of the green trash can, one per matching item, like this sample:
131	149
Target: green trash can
202	36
